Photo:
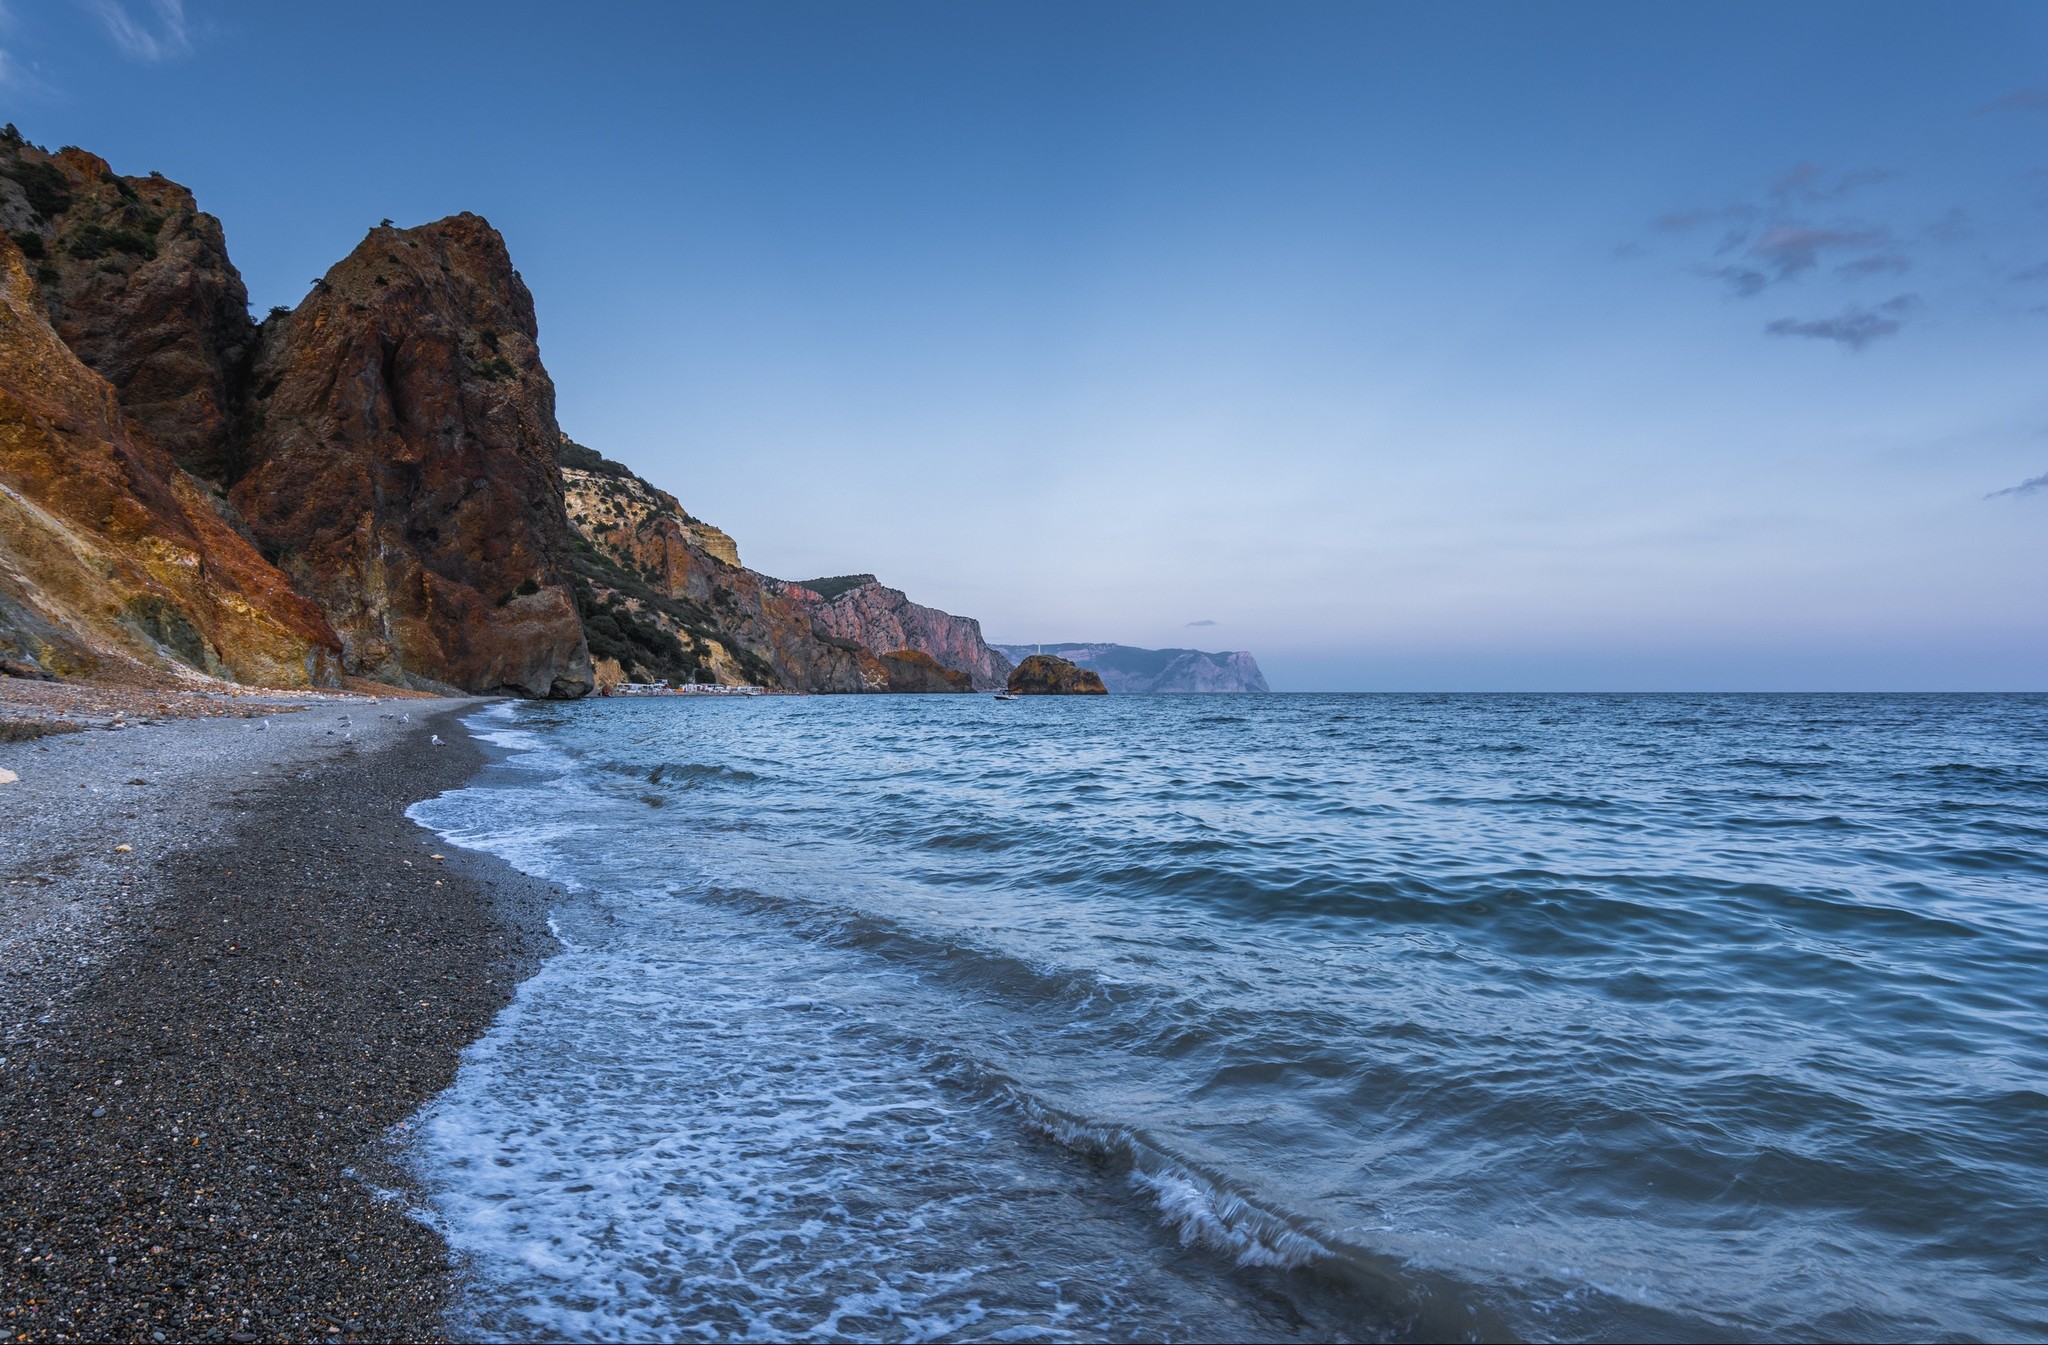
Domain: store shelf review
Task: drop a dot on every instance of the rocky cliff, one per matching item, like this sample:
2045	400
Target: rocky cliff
664	595
389	444
881	619
112	560
1130	671
136	280
401	469
372	483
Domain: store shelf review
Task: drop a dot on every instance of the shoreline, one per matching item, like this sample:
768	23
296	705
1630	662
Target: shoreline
231	967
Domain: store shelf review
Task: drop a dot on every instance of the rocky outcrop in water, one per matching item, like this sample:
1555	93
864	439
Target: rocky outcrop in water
1048	675
1130	671
112	559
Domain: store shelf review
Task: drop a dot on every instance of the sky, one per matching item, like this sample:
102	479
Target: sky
1410	347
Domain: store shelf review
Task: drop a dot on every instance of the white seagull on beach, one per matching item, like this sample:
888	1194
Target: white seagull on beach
435	738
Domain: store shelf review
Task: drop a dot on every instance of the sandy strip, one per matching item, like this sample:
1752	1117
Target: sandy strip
228	966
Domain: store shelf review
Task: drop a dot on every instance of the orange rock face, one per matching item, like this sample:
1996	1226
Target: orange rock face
401	466
111	558
390	443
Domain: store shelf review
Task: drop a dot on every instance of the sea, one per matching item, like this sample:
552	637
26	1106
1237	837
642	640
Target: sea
1276	1017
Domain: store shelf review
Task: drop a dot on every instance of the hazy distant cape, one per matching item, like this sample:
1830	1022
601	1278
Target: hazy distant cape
1127	671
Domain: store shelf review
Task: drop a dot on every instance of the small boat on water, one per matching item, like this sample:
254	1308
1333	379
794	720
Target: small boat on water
1006	695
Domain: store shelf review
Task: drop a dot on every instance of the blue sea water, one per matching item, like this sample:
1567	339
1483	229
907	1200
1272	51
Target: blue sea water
1269	1017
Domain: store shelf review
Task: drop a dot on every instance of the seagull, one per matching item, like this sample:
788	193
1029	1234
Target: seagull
262	724
436	740
405	719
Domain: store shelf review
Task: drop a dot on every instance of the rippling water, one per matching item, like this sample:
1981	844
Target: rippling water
1629	1017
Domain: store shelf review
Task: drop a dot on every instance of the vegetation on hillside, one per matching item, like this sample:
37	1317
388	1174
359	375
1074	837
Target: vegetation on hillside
828	589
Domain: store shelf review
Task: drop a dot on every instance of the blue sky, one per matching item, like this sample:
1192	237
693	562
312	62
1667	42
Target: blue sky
1413	347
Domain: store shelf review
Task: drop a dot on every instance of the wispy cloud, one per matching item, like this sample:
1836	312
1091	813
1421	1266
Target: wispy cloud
1854	328
1880	264
1787	251
1685	221
149	32
1205	621
2033	486
1811	182
1790	249
2033	99
1953	224
1745	281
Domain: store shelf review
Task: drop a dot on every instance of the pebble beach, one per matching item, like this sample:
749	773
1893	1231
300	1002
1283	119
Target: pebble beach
229	967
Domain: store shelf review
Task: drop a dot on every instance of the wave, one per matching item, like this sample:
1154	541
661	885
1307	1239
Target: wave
1346	1017
694	775
1373	1296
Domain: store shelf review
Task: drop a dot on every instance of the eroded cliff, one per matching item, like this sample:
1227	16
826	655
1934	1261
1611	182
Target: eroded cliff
112	560
401	468
881	619
664	595
372	483
136	280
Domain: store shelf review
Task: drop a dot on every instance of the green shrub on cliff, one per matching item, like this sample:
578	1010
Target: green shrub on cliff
640	640
828	589
93	241
49	195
